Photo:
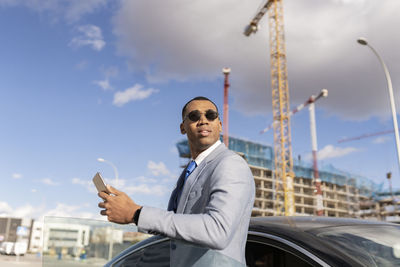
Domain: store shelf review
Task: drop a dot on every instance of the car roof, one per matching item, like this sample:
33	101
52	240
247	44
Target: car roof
302	231
306	223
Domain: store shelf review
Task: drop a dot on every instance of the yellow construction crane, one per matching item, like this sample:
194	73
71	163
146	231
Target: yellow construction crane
280	105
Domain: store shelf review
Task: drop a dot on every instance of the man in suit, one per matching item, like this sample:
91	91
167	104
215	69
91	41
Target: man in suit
209	210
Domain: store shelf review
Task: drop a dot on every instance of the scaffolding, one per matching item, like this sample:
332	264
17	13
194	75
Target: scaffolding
342	191
262	155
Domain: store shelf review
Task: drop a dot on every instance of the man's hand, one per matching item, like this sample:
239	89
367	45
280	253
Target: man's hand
118	207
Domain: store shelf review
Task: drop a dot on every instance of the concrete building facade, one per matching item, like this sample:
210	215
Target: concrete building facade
342	192
338	200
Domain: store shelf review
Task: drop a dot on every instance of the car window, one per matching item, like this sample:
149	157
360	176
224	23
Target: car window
264	255
185	254
154	255
378	245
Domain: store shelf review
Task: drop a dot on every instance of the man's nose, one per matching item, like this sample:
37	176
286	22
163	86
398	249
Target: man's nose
203	119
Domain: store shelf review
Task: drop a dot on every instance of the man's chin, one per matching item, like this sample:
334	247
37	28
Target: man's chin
204	143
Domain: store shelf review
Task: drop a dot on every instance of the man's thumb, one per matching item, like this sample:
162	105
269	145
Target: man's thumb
112	190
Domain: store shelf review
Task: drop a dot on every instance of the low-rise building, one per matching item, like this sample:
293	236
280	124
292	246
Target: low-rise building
68	236
36	240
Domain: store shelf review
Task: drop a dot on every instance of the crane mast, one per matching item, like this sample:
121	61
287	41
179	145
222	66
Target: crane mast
280	105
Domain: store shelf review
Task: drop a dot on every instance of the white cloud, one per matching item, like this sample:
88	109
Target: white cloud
381	140
82	65
65	210
174	40
329	151
139	185
16	175
157	190
132	94
158	168
70	11
5	209
88	184
80	181
120	184
350	1
143	179
76	9
33	190
61	210
90	36
25	211
104	84
109	72
48	181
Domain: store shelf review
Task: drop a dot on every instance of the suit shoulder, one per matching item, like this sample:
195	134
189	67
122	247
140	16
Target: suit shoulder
231	158
232	155
231	167
225	157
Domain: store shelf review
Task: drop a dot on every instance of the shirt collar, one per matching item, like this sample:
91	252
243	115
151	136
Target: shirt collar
206	152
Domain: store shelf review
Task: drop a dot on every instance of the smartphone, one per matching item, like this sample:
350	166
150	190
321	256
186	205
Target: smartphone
99	183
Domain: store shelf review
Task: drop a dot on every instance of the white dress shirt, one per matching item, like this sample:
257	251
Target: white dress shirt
206	152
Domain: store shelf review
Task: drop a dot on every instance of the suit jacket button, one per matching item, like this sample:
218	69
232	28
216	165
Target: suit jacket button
173	246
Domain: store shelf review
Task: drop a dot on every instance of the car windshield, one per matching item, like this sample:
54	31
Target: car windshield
369	245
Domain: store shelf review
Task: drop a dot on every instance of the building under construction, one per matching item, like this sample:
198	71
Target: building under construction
384	206
342	192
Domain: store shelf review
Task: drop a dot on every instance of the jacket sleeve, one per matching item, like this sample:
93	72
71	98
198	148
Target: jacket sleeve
230	202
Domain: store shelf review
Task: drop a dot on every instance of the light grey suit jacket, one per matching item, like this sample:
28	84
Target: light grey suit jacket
213	213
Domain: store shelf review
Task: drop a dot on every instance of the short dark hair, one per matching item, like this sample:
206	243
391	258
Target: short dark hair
194	99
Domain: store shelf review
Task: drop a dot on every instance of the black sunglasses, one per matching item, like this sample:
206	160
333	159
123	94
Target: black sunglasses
195	115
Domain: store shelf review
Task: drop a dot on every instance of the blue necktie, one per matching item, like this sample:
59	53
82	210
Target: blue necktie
192	165
190	168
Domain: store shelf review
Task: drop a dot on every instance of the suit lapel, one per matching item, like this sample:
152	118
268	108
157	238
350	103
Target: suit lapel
195	175
175	192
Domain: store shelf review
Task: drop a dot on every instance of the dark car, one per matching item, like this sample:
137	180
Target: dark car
294	241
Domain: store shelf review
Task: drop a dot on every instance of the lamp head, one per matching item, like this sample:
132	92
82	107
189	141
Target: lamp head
226	70
100	160
324	92
362	41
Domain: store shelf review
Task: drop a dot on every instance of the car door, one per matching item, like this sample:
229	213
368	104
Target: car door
153	254
264	250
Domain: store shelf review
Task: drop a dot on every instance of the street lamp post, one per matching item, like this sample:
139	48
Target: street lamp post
363	41
114	168
110	251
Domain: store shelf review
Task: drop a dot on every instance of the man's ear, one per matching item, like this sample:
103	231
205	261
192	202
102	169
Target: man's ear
182	129
220	126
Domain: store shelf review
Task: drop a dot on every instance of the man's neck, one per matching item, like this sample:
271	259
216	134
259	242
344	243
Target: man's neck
198	157
194	154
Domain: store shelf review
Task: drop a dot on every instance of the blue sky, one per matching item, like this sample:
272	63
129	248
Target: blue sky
88	79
